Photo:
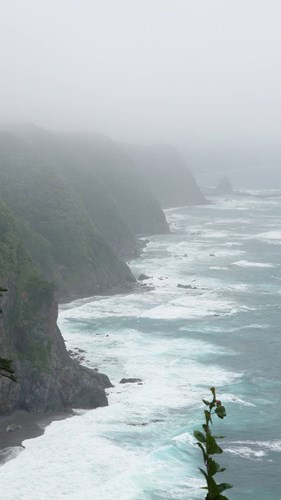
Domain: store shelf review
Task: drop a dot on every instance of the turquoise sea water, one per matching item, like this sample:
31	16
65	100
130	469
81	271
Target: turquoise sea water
224	332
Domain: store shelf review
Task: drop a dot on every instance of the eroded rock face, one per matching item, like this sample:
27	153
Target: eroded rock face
47	378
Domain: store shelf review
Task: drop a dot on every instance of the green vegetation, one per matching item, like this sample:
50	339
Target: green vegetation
209	447
55	226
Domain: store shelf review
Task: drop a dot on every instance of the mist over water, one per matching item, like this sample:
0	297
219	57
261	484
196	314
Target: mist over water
224	332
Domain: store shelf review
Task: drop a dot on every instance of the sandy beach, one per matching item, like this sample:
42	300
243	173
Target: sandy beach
29	426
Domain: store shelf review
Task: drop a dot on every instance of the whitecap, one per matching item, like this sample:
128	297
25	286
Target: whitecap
246	452
269	237
274	445
223	268
247	263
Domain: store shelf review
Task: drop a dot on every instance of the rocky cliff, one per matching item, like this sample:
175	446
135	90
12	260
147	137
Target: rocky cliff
117	199
71	207
57	230
47	379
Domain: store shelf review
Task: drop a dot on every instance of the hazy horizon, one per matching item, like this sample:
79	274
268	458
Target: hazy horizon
203	75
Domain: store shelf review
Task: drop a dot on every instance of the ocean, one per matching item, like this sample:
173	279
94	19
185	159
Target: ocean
222	331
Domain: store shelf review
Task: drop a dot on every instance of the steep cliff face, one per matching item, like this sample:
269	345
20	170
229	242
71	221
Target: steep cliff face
47	378
132	195
55	226
115	197
166	173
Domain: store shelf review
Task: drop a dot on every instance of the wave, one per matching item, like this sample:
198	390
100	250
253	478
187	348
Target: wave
247	263
246	452
273	237
253	450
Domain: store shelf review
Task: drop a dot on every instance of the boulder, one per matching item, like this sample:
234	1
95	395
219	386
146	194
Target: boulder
130	380
143	277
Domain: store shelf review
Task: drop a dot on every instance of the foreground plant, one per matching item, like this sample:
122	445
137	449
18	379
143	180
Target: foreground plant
209	447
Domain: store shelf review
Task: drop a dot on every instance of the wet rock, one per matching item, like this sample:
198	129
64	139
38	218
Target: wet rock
13	428
130	380
211	255
143	277
187	287
141	424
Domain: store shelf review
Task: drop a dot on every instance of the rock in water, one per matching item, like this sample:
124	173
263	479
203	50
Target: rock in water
130	380
143	277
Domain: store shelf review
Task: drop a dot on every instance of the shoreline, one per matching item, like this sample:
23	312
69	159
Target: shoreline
31	426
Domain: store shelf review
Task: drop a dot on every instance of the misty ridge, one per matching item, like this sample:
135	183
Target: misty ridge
59	183
201	76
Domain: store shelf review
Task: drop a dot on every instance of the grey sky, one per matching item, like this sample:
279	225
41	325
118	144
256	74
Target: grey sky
201	74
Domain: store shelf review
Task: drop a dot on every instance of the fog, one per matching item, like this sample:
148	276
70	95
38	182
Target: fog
203	75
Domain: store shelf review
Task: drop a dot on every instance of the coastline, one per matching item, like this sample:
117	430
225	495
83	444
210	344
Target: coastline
31	426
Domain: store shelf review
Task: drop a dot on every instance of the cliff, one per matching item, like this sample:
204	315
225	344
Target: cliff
116	198
102	158
68	205
167	174
56	229
47	378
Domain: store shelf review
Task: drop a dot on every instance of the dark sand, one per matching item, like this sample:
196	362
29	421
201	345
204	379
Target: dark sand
32	426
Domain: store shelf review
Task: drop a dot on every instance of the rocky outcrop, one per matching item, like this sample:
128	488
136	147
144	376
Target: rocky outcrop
130	381
47	379
224	186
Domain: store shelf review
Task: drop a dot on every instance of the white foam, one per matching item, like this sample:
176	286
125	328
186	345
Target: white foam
274	445
269	236
246	452
222	268
247	263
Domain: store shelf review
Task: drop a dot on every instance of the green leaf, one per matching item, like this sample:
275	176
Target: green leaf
220	411
212	446
199	436
203	451
204	473
207	403
213	489
224	486
213	467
